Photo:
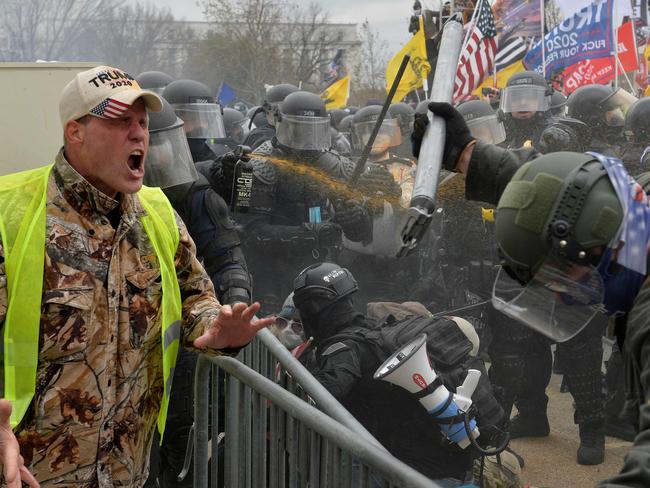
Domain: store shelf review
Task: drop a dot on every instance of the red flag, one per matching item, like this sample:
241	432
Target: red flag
477	58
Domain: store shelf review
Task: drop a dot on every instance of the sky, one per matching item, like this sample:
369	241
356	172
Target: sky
389	17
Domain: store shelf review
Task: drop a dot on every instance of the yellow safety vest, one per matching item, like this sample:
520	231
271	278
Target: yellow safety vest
23	199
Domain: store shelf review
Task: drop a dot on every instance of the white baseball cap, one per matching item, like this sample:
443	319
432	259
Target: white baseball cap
104	92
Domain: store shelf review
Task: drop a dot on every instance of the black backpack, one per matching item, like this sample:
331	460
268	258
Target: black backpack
447	346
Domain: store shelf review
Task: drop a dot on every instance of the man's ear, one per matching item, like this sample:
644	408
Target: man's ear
74	132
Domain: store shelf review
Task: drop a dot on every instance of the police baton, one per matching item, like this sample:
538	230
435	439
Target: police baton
361	163
418	216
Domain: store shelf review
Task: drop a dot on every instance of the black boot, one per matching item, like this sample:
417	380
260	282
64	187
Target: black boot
592	443
529	426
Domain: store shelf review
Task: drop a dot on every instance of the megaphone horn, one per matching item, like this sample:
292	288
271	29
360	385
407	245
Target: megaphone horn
409	368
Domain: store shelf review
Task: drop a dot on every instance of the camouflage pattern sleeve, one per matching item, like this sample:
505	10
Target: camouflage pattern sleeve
200	304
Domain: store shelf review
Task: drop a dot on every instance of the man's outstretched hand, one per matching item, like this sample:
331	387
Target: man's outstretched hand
233	327
13	465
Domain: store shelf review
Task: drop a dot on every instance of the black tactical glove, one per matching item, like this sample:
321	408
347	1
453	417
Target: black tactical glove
327	234
457	134
377	180
566	134
222	172
354	219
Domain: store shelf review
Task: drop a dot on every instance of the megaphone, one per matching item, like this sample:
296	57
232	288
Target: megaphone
409	368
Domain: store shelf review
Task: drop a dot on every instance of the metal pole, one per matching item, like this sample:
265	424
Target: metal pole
361	163
323	398
381	461
543	29
202	403
418	217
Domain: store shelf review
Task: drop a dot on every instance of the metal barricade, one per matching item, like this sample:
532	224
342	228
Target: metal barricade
267	432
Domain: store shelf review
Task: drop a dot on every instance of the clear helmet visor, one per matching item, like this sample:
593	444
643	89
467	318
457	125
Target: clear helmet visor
202	120
304	133
487	129
169	161
389	135
239	131
525	98
560	300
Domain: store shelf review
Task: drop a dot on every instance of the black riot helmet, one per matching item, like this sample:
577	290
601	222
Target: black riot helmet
196	105
558	104
526	91
363	123
336	115
637	122
405	116
154	81
235	124
302	122
274	96
602	108
482	121
321	285
169	161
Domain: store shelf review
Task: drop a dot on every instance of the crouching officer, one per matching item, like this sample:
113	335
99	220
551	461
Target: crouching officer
348	349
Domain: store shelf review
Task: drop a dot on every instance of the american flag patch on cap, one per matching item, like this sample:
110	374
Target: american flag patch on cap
110	109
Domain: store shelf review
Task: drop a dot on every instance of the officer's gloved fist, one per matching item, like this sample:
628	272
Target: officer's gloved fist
378	180
354	219
327	234
222	171
554	139
457	134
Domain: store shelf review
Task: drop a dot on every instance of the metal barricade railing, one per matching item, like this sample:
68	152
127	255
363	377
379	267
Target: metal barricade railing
268	432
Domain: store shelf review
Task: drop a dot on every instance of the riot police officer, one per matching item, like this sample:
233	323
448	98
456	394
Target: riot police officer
265	126
299	206
525	102
169	166
195	104
236	126
405	116
602	108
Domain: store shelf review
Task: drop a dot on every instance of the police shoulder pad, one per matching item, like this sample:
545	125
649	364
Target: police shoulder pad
337	346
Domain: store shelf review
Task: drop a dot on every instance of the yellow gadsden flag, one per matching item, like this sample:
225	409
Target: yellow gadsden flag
502	77
336	95
417	69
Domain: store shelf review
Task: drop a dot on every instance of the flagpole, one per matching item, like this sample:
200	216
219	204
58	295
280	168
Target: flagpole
542	15
470	25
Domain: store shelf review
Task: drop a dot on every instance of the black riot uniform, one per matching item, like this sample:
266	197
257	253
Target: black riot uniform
169	165
299	204
525	103
347	349
525	356
637	132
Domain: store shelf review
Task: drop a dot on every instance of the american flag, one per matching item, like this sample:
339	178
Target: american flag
110	109
477	57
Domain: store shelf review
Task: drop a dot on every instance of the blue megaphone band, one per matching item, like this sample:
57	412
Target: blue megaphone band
455	432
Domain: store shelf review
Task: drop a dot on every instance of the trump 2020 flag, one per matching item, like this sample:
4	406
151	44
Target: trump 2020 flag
587	34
